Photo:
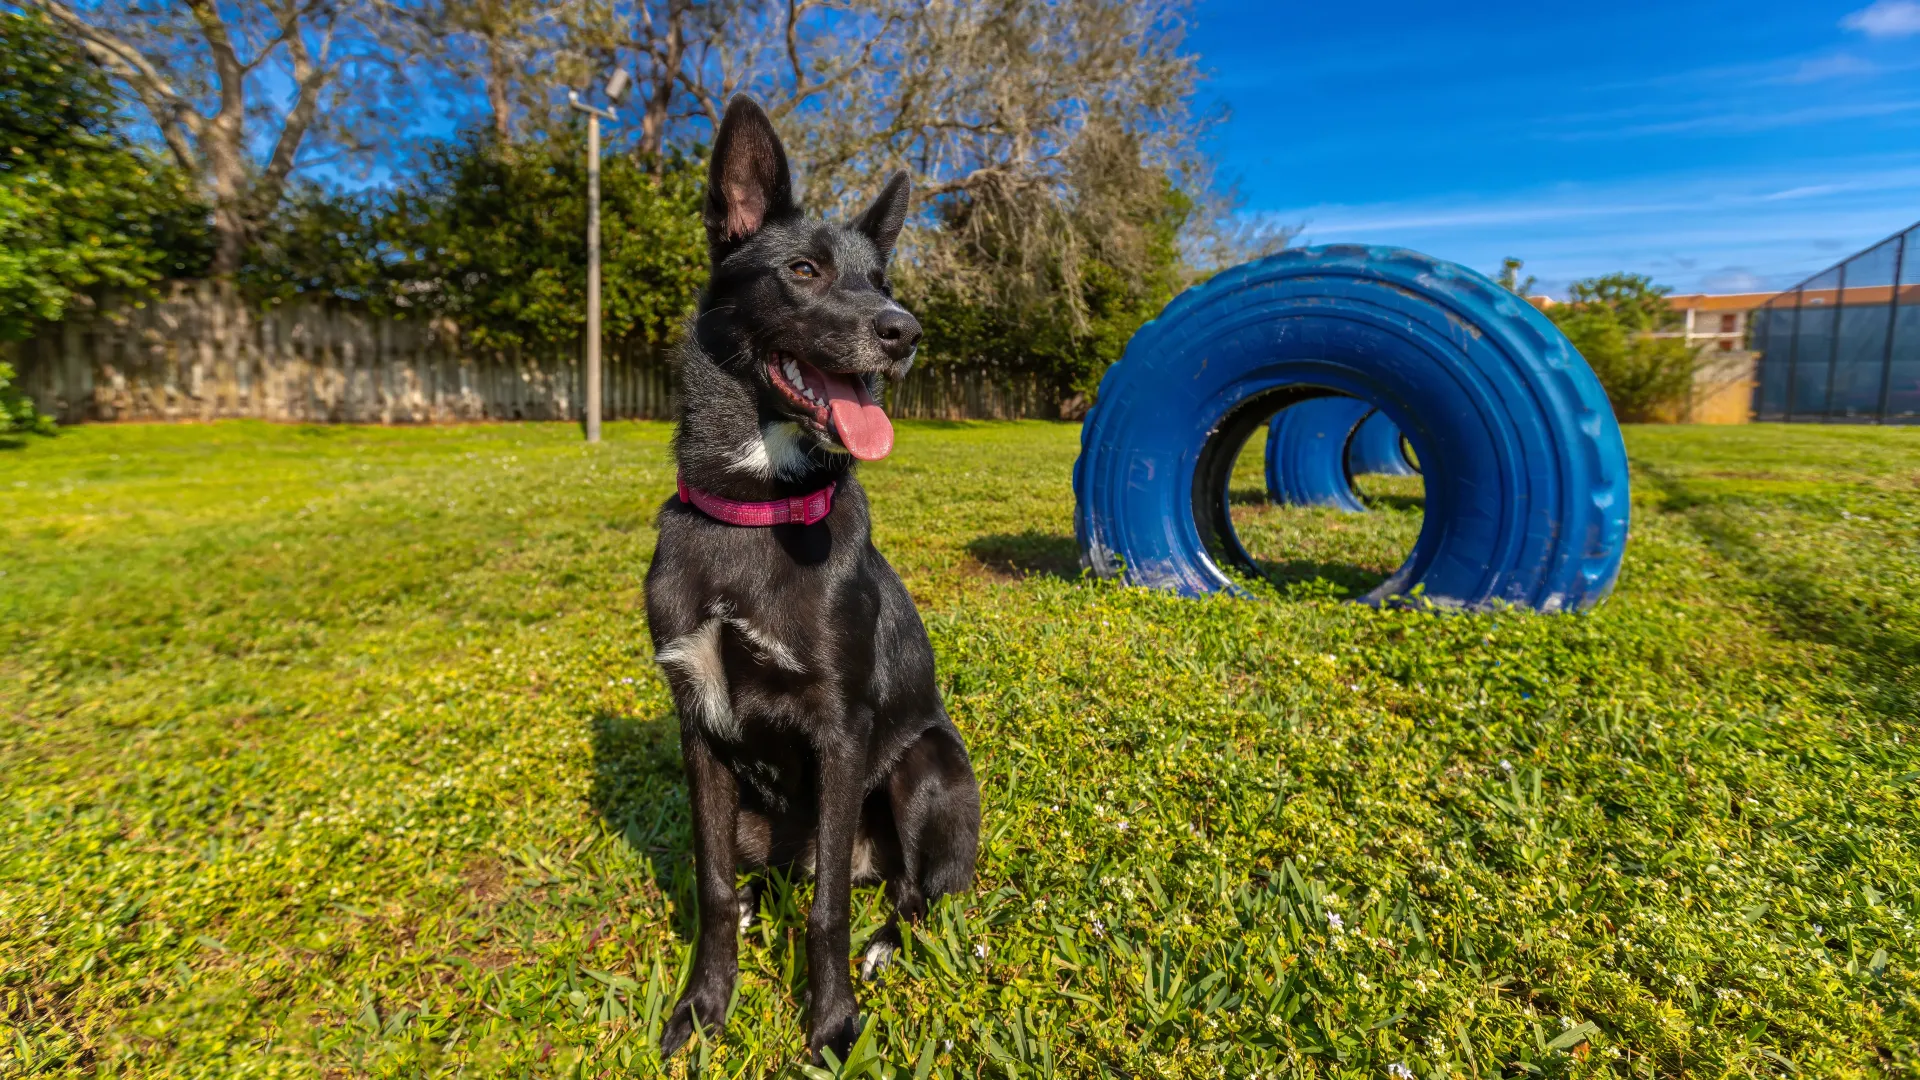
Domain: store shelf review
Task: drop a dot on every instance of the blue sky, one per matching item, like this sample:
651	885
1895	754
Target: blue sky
1716	146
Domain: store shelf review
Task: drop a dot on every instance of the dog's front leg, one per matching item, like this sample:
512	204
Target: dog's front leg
716	962
833	1019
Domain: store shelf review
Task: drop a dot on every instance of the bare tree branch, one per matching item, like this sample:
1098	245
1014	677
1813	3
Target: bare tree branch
171	113
309	77
203	73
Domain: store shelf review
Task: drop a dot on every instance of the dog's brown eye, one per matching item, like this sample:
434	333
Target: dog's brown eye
803	268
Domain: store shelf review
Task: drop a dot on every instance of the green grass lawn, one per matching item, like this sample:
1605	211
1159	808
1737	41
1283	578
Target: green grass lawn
339	751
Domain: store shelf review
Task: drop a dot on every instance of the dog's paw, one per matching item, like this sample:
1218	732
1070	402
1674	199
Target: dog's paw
834	1030
701	1010
878	958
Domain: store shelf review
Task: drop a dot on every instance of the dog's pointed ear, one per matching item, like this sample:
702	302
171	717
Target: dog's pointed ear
748	183
881	222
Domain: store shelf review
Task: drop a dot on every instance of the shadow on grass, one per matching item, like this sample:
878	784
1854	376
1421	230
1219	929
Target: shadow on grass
1341	581
1400	504
1879	644
1027	554
640	790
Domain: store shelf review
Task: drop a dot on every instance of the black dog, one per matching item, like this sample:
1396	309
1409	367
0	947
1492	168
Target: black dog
810	722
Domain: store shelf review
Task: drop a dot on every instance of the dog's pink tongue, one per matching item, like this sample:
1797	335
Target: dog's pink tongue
863	427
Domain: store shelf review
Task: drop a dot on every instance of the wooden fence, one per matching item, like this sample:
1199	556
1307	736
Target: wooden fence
200	354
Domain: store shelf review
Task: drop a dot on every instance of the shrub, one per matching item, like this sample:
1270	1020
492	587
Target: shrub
1612	320
495	239
17	413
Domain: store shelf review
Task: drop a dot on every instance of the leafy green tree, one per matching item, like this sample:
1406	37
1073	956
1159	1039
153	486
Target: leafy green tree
995	297
1612	320
80	205
244	94
497	241
1511	280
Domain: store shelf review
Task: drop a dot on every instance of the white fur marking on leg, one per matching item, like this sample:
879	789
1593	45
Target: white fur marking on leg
747	912
877	959
696	656
864	869
768	650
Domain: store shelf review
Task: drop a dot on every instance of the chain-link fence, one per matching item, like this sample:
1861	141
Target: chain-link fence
1844	345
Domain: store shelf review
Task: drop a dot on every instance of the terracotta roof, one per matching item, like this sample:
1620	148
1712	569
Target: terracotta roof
1720	301
1857	295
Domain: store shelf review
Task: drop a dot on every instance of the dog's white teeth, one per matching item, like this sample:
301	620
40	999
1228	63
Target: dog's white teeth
793	375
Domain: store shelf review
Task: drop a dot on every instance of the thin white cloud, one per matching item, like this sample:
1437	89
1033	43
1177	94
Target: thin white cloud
1886	18
1710	231
1805	191
1751	120
1834	66
1793	70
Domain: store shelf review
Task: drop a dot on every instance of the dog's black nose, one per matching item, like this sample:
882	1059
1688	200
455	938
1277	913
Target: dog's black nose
897	330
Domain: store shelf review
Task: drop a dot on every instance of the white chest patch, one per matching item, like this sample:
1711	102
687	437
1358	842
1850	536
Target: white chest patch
695	658
781	450
696	667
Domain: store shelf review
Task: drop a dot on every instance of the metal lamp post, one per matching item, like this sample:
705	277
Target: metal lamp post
616	89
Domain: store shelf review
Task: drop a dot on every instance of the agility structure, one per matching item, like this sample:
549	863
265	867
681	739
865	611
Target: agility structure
1524	469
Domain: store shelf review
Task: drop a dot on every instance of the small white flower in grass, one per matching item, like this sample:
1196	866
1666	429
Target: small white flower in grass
1399	1071
949	1044
1099	928
1122	826
1333	922
980	951
1505	765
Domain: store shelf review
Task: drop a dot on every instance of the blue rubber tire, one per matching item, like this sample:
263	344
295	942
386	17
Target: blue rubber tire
1375	449
1307	453
1526	476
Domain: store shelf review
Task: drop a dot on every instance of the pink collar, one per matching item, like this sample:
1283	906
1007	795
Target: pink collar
805	509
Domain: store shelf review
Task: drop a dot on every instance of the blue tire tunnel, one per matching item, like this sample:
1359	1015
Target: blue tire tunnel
1522	461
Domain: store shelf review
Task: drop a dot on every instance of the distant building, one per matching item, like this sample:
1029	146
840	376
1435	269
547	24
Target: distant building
1718	322
1717	325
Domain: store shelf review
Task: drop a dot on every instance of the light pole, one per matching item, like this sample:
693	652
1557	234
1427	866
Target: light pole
616	89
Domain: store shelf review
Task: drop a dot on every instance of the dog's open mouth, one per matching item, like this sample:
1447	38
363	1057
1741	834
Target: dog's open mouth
838	404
